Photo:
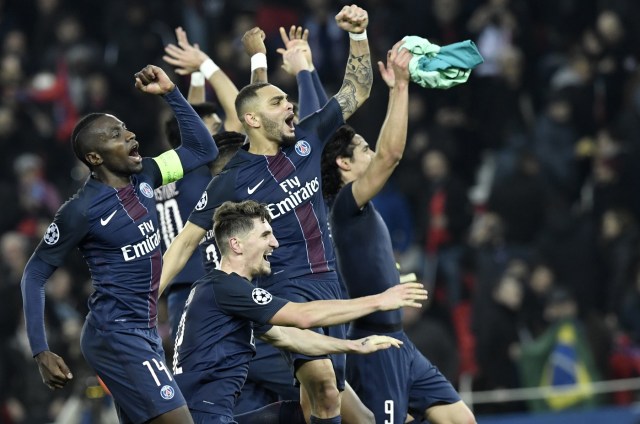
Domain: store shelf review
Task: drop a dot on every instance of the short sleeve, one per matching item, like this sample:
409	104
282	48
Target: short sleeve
344	205
236	296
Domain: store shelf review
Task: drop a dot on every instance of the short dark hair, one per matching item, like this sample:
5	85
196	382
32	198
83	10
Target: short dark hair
235	218
171	129
340	145
228	143
80	140
248	93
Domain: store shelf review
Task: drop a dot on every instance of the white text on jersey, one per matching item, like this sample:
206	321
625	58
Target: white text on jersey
151	241
294	198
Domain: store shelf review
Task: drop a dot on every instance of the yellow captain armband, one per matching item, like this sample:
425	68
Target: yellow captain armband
170	166
408	278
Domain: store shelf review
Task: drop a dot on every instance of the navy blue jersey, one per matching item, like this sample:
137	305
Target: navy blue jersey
290	184
364	252
117	232
174	203
215	339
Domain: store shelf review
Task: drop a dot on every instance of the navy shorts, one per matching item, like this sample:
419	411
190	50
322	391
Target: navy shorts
209	418
307	289
393	381
131	363
269	380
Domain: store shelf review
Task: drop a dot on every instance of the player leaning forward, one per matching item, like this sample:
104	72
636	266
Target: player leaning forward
112	219
215	338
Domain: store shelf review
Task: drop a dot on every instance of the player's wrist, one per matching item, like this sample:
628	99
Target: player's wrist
208	68
197	79
358	36
258	61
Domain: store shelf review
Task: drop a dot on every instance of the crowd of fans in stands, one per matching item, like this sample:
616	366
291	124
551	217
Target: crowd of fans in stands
517	201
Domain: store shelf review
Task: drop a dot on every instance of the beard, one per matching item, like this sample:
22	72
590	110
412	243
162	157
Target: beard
274	131
262	271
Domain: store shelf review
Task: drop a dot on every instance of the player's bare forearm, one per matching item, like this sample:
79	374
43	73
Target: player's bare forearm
196	94
179	252
389	148
321	313
259	75
314	344
306	342
358	78
324	313
226	92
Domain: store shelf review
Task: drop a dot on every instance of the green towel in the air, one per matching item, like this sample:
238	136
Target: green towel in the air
441	67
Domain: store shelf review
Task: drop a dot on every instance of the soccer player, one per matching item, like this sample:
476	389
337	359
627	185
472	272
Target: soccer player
269	378
389	383
282	169
112	219
216	335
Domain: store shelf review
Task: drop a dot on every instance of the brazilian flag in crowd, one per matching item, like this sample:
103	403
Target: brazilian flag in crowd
561	361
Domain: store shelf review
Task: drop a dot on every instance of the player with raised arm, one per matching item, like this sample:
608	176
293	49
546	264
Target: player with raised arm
281	168
216	335
112	219
188	58
269	378
390	383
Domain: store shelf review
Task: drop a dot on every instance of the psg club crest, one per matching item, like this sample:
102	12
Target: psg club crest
202	202
167	392
52	235
303	148
146	190
261	296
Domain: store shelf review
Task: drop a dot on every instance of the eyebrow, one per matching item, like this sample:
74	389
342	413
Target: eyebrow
278	98
118	126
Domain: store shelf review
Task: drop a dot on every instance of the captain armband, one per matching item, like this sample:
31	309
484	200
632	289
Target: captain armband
170	166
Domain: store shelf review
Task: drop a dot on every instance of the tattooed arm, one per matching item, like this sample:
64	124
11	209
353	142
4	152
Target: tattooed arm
358	77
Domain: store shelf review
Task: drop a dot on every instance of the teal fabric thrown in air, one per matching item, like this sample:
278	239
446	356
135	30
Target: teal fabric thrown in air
441	67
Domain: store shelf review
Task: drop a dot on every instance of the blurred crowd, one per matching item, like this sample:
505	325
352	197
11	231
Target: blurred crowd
517	201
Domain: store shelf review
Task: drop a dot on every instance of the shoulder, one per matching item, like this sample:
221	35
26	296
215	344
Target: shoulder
78	204
344	204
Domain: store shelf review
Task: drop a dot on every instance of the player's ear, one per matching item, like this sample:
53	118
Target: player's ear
235	245
251	120
93	158
343	163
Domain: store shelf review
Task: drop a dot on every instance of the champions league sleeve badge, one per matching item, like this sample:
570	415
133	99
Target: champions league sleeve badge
261	296
202	202
52	235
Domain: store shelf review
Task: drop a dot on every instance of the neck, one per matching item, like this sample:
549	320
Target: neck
260	145
346	179
229	266
112	180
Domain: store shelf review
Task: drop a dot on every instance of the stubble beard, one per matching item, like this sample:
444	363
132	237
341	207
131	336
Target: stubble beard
273	129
